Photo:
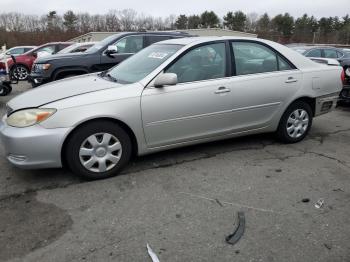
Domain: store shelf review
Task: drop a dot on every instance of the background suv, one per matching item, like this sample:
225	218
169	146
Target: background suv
102	56
26	60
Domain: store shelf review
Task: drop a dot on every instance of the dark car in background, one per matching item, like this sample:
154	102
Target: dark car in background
26	60
100	57
343	57
77	48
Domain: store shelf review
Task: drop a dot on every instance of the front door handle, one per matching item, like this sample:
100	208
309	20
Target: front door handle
291	80
222	90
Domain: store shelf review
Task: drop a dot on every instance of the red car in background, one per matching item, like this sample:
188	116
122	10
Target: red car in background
26	60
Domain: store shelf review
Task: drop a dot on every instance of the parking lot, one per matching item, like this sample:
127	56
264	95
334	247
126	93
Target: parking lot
184	202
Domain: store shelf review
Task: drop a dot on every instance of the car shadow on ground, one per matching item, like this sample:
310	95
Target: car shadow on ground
34	180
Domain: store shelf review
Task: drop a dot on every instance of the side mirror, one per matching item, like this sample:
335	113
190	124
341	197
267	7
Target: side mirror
111	49
35	54
166	79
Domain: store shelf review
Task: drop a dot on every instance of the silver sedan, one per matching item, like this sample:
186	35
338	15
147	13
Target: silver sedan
174	93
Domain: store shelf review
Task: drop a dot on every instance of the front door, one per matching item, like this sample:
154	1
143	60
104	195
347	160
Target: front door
197	107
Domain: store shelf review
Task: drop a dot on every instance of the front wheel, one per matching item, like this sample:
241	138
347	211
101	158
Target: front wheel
98	150
295	122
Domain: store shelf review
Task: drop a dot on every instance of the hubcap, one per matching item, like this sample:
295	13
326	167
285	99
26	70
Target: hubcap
297	123
100	152
20	73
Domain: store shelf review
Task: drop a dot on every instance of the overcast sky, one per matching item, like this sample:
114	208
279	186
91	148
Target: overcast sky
164	8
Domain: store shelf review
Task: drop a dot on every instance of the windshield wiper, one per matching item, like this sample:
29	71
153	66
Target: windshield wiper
104	74
111	77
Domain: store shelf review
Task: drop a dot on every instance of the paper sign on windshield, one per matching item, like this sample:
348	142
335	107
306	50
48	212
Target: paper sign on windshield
157	55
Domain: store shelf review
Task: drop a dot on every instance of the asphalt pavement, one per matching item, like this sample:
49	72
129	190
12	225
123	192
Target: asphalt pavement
184	202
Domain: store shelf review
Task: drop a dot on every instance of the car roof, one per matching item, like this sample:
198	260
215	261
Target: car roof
309	47
203	39
23	46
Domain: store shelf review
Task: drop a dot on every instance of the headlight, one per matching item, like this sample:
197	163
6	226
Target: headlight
29	117
42	66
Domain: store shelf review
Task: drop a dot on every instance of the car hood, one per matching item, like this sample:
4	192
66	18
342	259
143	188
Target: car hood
59	90
45	59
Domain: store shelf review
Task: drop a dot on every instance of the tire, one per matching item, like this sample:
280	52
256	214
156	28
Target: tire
5	90
20	73
295	123
86	158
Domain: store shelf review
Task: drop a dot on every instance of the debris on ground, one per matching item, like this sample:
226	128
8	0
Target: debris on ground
319	203
152	254
305	200
239	231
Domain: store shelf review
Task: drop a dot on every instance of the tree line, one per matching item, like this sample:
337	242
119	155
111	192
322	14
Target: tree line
23	29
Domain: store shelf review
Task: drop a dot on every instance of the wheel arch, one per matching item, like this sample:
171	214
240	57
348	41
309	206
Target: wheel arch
67	70
122	124
311	101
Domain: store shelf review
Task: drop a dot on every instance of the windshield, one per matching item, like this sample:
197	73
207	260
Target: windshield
101	44
142	63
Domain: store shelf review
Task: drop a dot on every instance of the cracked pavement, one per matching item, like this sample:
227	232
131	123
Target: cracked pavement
184	202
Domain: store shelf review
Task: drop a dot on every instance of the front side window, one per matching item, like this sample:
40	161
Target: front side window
314	53
138	66
130	44
253	58
201	63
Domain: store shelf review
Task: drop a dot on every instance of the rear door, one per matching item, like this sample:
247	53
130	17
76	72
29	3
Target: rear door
262	83
127	46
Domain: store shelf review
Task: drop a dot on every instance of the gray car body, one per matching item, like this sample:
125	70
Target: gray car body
172	116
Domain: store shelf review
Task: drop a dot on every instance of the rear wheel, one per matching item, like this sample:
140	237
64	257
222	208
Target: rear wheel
295	122
98	150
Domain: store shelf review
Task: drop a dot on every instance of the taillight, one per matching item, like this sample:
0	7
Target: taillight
342	76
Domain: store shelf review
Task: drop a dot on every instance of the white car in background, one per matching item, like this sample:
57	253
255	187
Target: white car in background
173	93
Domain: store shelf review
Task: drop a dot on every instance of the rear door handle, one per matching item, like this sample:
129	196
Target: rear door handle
222	90
291	80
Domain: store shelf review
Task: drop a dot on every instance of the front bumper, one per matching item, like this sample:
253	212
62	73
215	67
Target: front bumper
37	79
33	147
326	103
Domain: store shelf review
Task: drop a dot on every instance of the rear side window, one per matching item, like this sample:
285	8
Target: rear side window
314	53
340	54
156	38
330	53
254	58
